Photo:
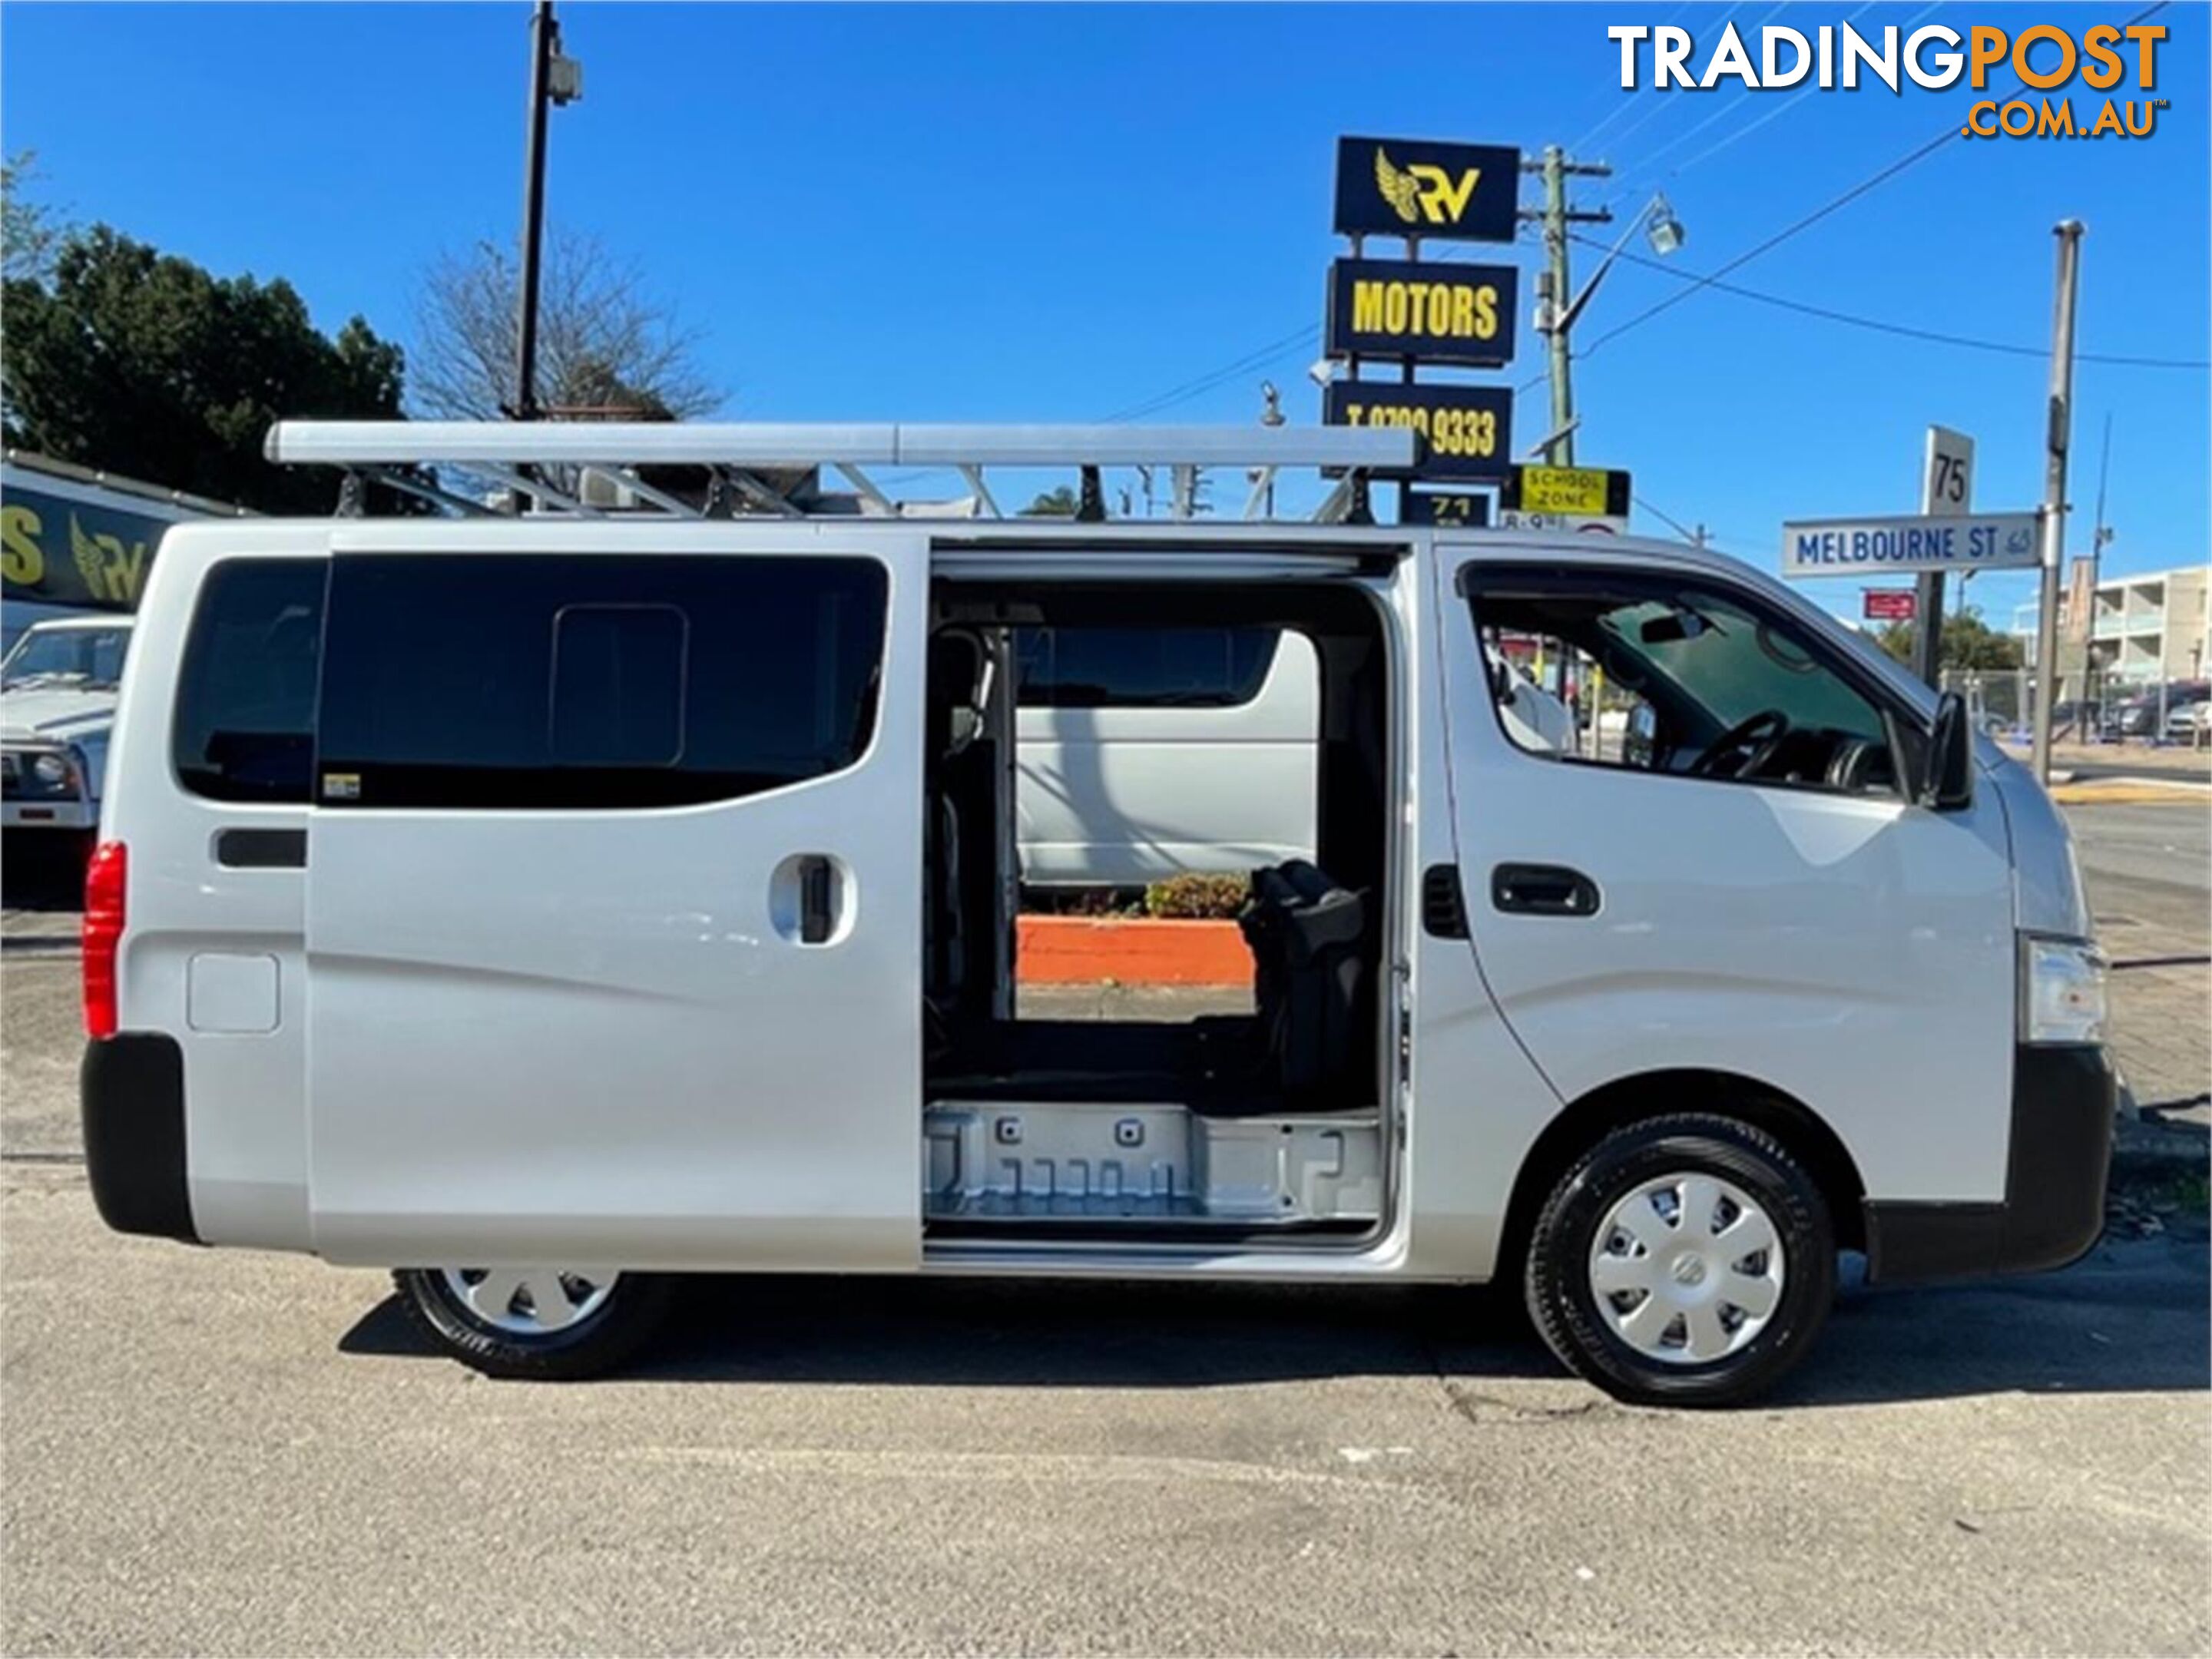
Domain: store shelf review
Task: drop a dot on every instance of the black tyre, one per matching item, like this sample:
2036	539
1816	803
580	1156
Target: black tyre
1682	1260
535	1324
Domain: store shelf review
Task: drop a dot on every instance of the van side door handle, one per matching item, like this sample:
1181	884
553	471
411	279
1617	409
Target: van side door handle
1543	889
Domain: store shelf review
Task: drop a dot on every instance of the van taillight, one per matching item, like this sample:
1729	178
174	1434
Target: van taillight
104	887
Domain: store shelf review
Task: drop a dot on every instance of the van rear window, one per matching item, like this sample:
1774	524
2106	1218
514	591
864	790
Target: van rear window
245	727
580	681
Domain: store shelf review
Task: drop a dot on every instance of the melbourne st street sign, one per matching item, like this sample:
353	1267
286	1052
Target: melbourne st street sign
1853	547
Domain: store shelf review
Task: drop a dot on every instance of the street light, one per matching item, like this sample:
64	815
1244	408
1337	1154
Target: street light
554	79
1662	230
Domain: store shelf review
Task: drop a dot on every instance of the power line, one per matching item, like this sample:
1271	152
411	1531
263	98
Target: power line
1667	519
1949	132
1256	358
1644	169
1937	336
1282	347
1625	104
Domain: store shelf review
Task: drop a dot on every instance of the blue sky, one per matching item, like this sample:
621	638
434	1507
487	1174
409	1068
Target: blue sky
1018	213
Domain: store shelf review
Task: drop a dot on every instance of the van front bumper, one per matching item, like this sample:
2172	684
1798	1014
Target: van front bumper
2063	1101
131	1093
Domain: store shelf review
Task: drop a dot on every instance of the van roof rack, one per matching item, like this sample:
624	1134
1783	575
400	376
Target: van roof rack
590	468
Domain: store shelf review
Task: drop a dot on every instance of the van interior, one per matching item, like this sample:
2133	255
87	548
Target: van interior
1262	1122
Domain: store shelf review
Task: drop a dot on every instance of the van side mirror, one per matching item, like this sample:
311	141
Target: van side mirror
1945	771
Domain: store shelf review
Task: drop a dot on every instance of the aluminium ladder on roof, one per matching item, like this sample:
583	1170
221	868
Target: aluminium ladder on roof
742	458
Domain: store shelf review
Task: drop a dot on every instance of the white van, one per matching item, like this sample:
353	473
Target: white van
1144	753
548	907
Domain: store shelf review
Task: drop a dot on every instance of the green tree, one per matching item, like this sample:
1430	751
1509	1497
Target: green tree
1968	642
1058	502
144	364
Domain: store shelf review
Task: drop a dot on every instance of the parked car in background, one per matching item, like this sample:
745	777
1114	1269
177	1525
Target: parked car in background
2186	718
57	688
2147	713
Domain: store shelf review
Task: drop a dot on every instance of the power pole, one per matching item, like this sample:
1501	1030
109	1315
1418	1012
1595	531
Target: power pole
1555	292
2059	425
2086	626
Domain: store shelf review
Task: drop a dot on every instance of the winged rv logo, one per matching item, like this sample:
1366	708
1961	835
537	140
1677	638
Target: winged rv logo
1422	191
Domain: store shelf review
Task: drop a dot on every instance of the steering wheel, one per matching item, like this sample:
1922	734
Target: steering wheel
1755	737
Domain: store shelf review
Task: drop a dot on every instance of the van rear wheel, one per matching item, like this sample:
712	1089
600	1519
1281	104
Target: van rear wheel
1683	1260
543	1324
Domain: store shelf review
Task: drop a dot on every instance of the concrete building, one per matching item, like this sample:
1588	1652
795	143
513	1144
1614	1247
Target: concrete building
2143	628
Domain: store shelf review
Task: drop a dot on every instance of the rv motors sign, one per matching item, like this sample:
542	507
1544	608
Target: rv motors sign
1468	428
1413	187
1430	314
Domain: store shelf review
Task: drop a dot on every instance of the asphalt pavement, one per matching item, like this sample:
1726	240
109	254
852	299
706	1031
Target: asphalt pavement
219	1452
211	1452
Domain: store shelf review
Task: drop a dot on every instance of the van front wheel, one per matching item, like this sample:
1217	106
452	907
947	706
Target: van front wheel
1683	1260
542	1324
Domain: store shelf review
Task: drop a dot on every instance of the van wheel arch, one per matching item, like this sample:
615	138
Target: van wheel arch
1590	1117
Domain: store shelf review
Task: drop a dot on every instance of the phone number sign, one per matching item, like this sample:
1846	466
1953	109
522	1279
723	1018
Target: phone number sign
1468	429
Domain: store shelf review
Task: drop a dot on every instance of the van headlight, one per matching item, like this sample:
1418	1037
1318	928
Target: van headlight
51	771
2063	991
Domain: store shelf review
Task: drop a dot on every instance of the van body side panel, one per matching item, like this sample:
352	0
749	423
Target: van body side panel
1122	796
245	1091
645	1038
1850	951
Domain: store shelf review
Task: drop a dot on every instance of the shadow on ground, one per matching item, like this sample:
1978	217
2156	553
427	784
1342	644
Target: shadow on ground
2133	1318
41	870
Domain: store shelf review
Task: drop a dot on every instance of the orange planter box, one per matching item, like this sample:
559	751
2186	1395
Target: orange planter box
1131	951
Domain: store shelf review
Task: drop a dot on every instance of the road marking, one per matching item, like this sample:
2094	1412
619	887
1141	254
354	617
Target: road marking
2131	791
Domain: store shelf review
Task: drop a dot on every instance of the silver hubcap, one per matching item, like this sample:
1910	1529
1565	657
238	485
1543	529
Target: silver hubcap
531	1301
1686	1269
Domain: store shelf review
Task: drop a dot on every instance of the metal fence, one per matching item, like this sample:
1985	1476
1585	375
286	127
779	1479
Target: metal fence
2002	703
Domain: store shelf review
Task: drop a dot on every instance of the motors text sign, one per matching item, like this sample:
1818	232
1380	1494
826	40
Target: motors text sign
1413	187
1431	314
1851	547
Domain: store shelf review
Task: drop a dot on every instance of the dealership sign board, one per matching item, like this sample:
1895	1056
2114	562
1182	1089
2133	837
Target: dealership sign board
1431	314
1853	547
1468	429
1447	509
1411	187
66	543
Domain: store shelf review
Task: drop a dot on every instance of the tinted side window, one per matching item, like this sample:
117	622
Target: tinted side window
580	682
1143	667
245	694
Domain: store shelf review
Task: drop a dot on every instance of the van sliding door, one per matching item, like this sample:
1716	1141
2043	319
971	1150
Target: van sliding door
613	897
